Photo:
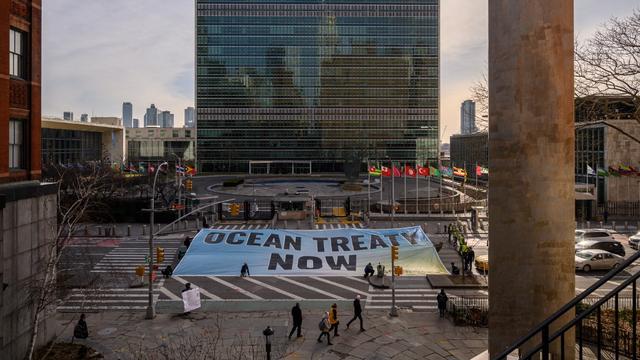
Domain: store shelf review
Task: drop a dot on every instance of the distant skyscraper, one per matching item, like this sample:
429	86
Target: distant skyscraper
135	123
468	117
84	118
68	115
127	114
165	119
189	117
151	116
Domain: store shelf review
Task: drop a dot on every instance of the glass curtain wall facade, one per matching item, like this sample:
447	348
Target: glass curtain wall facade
70	146
312	80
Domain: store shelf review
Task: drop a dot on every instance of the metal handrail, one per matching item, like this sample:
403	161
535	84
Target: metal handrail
544	326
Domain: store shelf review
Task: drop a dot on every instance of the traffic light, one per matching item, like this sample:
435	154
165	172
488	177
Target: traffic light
188	184
235	209
394	252
159	255
140	270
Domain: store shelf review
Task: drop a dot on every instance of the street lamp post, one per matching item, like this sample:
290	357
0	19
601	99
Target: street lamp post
150	309
267	337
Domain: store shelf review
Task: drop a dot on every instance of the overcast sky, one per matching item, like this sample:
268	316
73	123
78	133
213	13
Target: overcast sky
97	53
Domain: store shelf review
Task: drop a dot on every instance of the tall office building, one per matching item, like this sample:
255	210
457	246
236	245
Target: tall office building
316	81
151	116
468	117
135	123
189	117
165	119
68	115
84	118
127	114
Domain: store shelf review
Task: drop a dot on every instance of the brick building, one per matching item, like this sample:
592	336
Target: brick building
27	207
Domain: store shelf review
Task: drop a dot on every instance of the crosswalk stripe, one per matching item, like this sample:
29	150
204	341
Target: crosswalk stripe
202	291
297	283
169	294
251	227
404	295
401	301
273	288
324	226
333	283
359	280
405	290
421	307
236	288
103	301
101	307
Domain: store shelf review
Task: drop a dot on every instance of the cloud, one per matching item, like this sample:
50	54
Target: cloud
97	54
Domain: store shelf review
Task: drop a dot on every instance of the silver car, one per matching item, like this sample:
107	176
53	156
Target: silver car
588	260
634	241
594	234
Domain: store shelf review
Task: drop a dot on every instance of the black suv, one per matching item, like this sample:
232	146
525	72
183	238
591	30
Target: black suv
610	246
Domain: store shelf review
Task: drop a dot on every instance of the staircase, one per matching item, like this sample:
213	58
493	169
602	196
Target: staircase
604	327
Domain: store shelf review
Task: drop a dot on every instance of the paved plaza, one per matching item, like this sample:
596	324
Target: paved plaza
412	335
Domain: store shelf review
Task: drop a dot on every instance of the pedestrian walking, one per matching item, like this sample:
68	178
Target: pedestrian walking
81	331
244	271
605	215
442	302
471	256
296	315
324	328
357	313
333	319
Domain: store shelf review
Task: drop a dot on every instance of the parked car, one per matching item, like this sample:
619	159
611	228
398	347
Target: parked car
594	234
634	241
588	260
482	263
611	246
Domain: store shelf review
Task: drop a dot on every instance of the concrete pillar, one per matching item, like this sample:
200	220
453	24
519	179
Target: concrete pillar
531	128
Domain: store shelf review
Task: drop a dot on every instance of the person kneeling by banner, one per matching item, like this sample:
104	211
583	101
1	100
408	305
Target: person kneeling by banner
368	270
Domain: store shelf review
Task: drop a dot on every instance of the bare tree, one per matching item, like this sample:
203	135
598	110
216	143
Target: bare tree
608	65
480	94
74	200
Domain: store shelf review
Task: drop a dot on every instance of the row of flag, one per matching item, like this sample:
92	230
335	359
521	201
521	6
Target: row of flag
424	171
142	168
620	170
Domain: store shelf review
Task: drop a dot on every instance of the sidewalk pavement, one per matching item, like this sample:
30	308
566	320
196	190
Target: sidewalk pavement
421	335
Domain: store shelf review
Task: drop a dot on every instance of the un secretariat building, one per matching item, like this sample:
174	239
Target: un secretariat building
303	85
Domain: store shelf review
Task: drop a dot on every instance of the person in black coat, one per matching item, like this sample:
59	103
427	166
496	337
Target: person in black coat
296	314
81	331
357	313
442	302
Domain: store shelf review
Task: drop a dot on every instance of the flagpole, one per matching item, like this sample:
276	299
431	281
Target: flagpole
429	192
476	170
393	193
381	178
405	187
417	189
368	188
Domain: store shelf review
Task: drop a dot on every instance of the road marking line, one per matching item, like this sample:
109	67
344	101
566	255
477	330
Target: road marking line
326	293
316	226
359	280
405	290
110	289
339	285
421	307
107	301
360	226
273	288
250	227
324	226
236	288
202	291
101	307
403	301
433	296
169	294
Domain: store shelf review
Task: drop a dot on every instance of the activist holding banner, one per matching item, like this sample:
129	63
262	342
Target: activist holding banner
308	252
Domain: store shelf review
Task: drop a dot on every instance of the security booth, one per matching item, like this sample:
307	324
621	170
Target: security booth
293	207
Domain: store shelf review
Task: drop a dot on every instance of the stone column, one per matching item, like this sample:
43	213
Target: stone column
531	156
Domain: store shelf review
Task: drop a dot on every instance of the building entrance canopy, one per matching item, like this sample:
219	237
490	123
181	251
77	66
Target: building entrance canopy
341	252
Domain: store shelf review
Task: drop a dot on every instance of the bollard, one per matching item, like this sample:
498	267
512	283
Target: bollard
464	228
438	227
613	225
588	224
600	224
144	230
128	230
173	227
626	225
113	231
158	227
186	224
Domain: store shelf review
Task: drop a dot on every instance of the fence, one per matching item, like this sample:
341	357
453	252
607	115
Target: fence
469	310
621	208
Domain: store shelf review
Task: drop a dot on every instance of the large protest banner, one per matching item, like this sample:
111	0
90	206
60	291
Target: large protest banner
308	252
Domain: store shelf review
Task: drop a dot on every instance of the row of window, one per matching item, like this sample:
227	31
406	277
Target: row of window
288	111
319	7
307	14
326	30
317	21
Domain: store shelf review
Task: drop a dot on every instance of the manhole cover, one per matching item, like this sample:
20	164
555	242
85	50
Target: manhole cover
107	331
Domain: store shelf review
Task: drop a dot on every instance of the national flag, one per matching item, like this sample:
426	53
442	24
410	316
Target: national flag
141	169
590	170
602	172
190	170
180	169
434	172
446	171
478	170
459	172
396	171
423	171
409	171
385	171
613	171
374	171
485	171
152	169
